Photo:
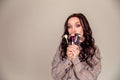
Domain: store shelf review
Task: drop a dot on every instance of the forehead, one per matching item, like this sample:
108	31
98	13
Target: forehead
73	20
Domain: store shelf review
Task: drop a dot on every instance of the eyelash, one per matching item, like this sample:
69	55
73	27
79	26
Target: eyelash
78	25
69	26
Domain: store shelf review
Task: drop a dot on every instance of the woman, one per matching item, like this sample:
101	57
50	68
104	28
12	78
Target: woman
77	62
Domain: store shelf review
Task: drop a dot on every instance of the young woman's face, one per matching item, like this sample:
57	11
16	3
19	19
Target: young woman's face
74	26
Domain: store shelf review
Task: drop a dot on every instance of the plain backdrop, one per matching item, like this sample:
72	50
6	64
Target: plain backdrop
31	30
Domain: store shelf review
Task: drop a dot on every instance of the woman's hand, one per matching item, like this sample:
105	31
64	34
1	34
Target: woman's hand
72	51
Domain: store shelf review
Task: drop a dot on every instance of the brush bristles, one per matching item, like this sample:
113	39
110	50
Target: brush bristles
66	36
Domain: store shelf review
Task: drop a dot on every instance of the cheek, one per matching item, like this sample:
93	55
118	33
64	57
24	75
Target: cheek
80	30
69	31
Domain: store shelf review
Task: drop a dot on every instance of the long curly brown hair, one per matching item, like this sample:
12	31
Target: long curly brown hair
88	45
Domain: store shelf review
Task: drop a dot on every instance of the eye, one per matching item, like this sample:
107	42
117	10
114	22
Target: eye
78	25
69	27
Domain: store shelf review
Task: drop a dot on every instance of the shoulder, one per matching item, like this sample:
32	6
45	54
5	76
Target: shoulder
57	53
96	59
97	52
56	57
58	50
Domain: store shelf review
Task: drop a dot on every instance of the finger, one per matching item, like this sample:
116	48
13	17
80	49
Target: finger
75	52
69	53
70	56
73	49
74	46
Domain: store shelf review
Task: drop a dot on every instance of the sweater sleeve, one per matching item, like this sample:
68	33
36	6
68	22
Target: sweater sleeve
59	67
86	73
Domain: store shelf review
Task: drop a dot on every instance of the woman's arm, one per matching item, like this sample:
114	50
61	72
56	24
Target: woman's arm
59	67
83	73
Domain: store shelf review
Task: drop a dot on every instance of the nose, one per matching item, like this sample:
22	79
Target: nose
73	30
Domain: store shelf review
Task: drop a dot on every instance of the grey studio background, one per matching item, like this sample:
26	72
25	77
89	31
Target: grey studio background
30	32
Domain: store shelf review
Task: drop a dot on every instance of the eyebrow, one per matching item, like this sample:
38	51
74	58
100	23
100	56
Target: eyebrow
75	23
